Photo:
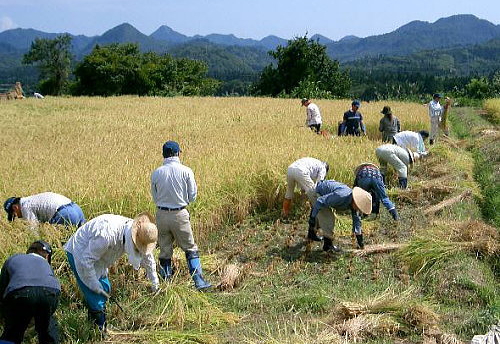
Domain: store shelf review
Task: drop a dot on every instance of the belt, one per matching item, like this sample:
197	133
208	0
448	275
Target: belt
171	209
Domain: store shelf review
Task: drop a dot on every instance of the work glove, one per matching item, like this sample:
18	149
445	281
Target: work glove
103	293
394	214
312	222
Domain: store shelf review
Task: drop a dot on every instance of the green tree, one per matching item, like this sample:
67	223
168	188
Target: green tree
303	66
478	88
53	58
118	69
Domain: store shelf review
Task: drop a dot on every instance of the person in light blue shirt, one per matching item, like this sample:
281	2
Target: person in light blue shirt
338	196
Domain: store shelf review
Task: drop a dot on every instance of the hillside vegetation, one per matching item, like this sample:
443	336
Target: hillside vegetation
440	285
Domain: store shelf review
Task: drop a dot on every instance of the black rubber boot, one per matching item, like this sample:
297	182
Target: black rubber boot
403	183
359	239
431	142
311	235
99	318
328	246
166	272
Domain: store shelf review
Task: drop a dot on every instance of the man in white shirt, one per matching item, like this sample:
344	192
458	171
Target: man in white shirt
313	115
45	207
99	244
435	113
173	187
412	140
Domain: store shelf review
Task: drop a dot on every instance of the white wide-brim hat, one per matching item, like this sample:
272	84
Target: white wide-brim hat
144	233
362	199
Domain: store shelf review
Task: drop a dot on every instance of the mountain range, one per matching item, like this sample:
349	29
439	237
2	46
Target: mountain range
457	30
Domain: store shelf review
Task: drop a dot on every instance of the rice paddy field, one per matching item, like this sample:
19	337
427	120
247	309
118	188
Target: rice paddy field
440	285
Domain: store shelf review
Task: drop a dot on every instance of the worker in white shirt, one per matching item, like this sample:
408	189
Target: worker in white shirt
306	173
313	115
399	158
45	207
99	244
173	188
412	140
435	113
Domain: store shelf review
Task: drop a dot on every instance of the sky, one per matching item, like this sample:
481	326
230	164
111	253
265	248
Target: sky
243	18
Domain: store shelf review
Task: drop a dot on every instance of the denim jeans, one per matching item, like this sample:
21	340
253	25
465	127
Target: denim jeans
68	215
376	188
22	305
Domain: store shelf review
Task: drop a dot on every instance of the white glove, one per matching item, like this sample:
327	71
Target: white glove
155	288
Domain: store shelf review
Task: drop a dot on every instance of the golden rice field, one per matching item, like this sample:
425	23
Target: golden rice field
492	106
100	152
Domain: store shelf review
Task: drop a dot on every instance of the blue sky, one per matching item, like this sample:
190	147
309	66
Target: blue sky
246	19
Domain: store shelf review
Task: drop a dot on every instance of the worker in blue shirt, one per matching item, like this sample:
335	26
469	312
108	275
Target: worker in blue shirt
369	178
340	197
353	121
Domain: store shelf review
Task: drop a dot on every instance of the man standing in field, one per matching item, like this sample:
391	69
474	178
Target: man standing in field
173	187
98	244
45	207
313	115
353	121
399	158
29	290
338	196
435	113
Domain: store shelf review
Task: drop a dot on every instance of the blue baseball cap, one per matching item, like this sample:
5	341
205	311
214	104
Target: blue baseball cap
8	207
170	148
356	103
437	95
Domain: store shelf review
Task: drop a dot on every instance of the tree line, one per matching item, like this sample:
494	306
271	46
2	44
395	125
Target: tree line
302	68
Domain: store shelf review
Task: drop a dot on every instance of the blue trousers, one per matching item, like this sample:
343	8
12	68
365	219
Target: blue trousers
95	302
69	215
376	188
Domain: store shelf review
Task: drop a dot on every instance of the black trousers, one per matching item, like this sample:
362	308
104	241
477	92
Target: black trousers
22	305
315	128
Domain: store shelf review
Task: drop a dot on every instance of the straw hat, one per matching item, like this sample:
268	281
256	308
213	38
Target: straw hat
357	169
362	200
144	233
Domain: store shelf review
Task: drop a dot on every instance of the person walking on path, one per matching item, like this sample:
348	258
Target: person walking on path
389	125
399	158
304	172
369	178
44	207
338	196
435	113
313	115
98	244
412	140
29	290
173	188
353	121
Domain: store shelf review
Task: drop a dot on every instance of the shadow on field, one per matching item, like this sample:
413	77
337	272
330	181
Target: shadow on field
304	251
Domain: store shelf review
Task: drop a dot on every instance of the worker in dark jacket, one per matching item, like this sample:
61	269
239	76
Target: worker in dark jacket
369	178
28	290
389	125
353	121
340	197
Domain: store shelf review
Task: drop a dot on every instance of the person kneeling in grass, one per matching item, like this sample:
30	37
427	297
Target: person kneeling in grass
99	244
338	196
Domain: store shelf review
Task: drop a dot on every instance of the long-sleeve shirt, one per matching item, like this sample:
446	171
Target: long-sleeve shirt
99	243
315	168
389	126
435	109
41	207
411	140
173	184
26	270
313	114
337	196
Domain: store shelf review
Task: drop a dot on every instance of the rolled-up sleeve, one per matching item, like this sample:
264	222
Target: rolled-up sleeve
85	265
